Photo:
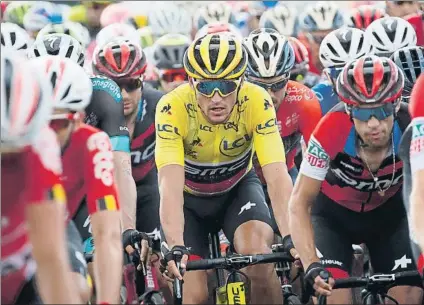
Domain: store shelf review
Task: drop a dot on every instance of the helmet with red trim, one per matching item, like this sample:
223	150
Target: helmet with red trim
119	59
370	80
301	62
25	102
364	15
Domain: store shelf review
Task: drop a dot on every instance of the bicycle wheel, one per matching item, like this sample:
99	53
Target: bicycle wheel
292	300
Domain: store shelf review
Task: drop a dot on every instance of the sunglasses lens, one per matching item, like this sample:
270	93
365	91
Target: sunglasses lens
380	113
130	85
172	76
223	87
280	85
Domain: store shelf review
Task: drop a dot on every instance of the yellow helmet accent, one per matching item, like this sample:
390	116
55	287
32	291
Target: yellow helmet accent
215	56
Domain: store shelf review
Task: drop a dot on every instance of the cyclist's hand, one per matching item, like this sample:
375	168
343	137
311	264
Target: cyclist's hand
133	240
289	248
178	254
319	279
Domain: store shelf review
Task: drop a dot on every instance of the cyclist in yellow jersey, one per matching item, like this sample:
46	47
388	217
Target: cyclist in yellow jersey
206	133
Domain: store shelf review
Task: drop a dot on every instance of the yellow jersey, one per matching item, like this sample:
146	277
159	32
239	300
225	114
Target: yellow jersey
216	157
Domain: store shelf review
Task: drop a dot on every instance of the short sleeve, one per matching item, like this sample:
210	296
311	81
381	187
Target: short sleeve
45	168
171	124
99	174
267	141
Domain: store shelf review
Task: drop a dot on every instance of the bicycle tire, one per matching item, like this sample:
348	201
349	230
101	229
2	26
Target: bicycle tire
292	300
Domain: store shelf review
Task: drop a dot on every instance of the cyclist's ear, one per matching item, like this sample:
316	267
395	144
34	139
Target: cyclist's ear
190	81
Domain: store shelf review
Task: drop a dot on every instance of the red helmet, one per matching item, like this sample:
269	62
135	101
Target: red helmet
369	80
364	15
301	64
119	59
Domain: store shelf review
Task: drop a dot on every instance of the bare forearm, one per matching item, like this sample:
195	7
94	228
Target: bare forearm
108	267
172	217
417	210
279	194
127	192
54	282
301	229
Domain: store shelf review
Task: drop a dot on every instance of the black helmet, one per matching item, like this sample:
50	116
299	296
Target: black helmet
411	61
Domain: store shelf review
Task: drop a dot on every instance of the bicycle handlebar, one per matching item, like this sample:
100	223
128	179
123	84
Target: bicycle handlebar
377	281
238	261
405	278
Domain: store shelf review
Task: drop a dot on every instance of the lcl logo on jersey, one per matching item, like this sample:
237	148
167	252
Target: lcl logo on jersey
235	148
267	127
167	131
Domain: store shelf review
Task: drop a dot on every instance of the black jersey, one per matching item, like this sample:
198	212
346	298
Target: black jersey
106	112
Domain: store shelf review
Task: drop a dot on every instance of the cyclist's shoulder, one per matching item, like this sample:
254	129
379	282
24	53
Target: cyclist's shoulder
151	94
77	13
178	97
252	97
46	151
105	84
335	122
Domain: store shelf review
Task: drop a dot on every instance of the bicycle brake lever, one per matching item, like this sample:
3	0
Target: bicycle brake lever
382	278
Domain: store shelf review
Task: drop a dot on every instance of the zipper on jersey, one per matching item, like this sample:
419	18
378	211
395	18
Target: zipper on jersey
368	201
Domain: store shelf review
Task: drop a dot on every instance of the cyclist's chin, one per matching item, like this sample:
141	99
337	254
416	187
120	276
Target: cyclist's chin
218	117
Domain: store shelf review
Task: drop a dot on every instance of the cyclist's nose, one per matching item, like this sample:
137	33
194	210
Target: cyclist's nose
373	122
216	97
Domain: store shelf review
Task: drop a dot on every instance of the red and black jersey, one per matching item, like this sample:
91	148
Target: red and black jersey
332	157
27	177
143	141
88	171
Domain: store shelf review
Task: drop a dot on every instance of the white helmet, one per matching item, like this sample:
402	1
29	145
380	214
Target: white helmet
269	54
218	27
25	101
342	46
214	12
72	87
321	16
390	34
169	18
61	45
74	29
280	18
14	37
41	14
117	30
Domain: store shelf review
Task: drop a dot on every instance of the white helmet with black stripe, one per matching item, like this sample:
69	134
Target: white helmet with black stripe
342	46
322	16
269	54
72	87
390	34
14	37
281	18
61	45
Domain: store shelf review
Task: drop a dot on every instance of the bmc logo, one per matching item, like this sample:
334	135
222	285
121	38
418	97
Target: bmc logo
138	157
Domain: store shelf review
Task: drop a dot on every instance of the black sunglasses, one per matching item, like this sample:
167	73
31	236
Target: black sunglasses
274	87
130	85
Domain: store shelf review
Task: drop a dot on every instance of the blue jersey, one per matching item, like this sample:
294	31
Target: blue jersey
326	96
